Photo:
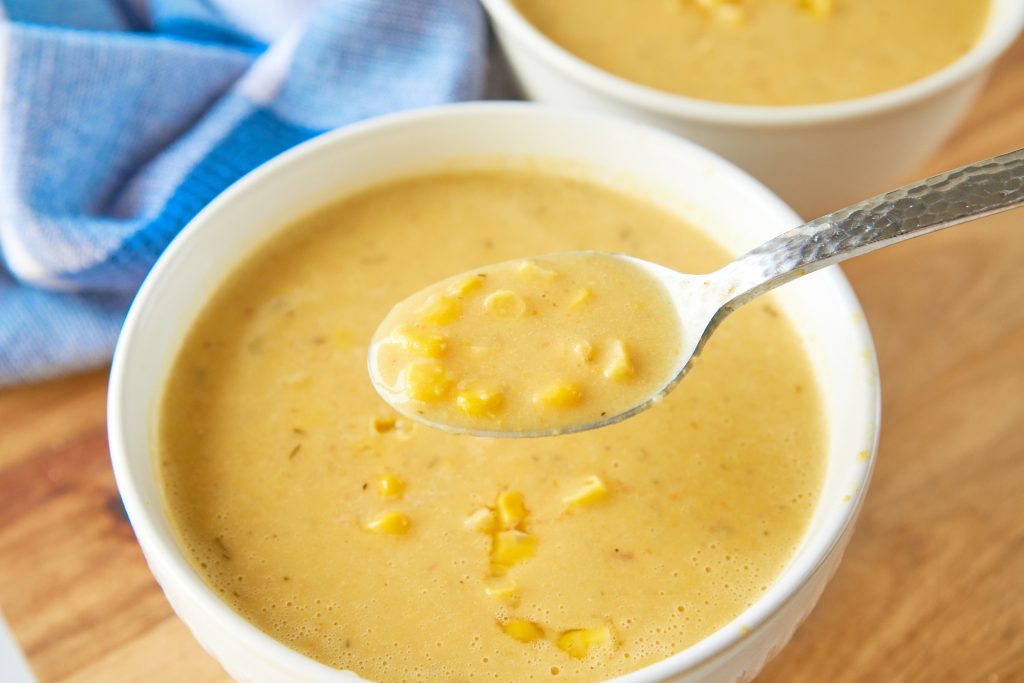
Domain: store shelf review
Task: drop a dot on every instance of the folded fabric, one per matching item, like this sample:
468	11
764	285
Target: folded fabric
121	119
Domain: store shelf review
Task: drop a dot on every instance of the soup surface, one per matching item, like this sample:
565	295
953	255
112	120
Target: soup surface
404	553
538	345
771	52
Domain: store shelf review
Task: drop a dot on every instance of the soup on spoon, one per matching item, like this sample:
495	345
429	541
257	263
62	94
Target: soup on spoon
528	347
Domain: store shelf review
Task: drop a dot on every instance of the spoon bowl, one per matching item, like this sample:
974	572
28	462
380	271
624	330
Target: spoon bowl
535	347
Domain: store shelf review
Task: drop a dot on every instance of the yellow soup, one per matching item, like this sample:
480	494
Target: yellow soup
404	553
771	52
531	345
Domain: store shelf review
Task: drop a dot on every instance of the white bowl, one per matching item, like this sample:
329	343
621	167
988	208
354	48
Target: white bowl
687	179
817	157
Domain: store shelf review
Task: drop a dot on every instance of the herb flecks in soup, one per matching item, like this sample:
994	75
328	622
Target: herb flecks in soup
770	52
375	544
529	345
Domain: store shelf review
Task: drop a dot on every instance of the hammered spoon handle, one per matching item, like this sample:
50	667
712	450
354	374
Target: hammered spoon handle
938	202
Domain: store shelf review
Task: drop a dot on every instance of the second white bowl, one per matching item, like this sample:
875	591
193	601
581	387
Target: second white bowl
817	157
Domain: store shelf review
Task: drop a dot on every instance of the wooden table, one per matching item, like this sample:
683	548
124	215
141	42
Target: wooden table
932	587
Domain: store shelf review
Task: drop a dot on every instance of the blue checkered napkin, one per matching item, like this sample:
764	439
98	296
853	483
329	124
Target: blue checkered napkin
121	119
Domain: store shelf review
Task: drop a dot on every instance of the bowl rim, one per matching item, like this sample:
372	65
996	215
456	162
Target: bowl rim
167	559
1004	23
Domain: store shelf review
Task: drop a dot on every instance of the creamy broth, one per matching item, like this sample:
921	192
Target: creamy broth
404	553
771	52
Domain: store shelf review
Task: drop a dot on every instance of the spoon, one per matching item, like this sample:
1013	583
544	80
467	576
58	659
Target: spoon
701	302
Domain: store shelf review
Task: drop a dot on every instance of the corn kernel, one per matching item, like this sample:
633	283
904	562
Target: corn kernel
620	364
505	304
480	402
512	547
582	296
420	342
563	395
511	509
533	270
591	491
583	350
466	286
426	381
522	630
500	587
389	522
819	9
578	642
440	309
482	520
390	486
382	425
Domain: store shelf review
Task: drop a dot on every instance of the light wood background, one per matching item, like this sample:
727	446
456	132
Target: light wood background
932	587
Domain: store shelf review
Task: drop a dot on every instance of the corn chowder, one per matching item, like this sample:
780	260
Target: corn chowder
529	345
404	553
763	52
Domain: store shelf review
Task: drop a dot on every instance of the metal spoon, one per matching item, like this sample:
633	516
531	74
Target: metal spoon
703	301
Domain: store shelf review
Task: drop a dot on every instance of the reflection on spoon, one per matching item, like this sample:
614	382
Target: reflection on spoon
575	341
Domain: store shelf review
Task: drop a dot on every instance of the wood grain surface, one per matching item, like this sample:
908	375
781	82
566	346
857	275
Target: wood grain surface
932	586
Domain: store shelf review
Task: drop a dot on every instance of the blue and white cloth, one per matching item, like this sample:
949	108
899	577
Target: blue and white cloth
121	119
